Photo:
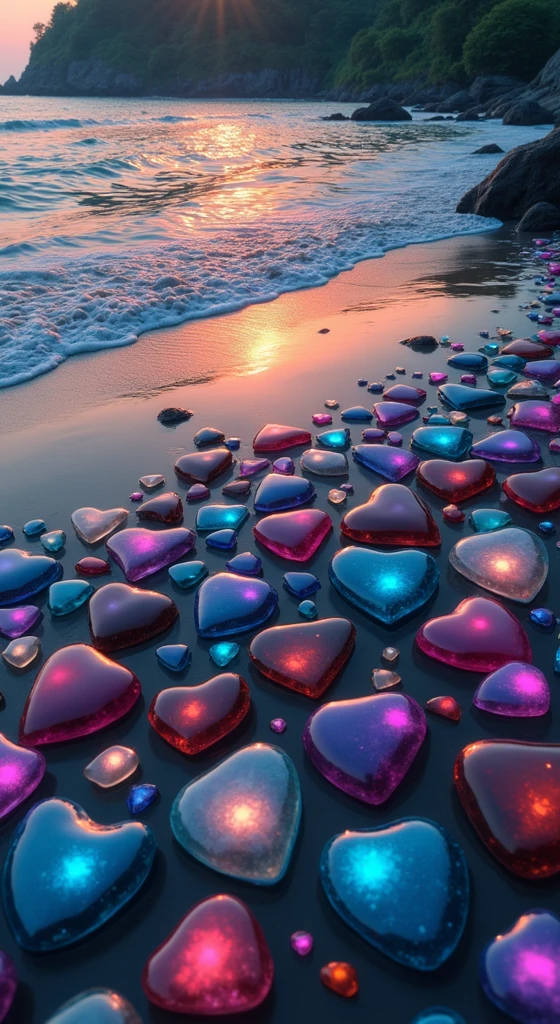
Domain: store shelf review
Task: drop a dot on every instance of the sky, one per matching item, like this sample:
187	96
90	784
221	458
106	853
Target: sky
17	18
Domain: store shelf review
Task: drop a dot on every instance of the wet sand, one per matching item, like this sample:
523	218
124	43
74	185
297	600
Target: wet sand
84	434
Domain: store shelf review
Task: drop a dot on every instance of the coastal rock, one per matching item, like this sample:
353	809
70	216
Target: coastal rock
528	112
420	341
492	147
527	175
545	88
469	115
173	414
456	104
488	88
540	217
382	110
336	117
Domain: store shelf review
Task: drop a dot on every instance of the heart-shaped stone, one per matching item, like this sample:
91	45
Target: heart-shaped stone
277	493
96	1006
393	515
140	553
275	437
21	771
92	566
509	790
389	463
527	349
463	398
216	961
538	492
365	873
78	691
393	414
516	690
221	517
202	467
67	596
365	747
165	508
535	416
208	435
22	575
8	984
388	586
486	520
242	817
65	876
295	536
512	563
519	969
442	441
456	482
305	656
193	718
480	635
93	524
527	389
404	393
121	616
543	369
15	622
324	463
188	574
226	604
245	564
507	446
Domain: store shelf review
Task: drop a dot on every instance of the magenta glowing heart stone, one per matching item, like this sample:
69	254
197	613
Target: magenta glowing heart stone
140	553
21	771
365	747
538	492
8	983
389	463
520	972
507	446
275	437
121	616
534	415
543	369
16	622
93	524
394	515
516	690
480	636
456	481
216	961
305	656
226	604
393	414
511	563
78	691
295	536
202	467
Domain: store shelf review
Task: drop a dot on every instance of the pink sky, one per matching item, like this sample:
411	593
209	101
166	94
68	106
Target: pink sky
17	18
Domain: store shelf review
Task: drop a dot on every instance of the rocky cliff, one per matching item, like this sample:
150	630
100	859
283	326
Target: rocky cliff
545	88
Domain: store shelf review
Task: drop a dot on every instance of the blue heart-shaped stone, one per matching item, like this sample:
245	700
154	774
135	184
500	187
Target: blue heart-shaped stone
65	875
404	887
388	586
22	574
227	604
442	441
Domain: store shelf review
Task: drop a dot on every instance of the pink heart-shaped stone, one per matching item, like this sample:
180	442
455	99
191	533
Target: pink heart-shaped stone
480	635
295	536
394	515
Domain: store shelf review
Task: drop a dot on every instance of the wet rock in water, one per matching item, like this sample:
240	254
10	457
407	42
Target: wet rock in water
420	341
540	217
336	117
456	103
469	115
381	110
172	415
528	112
492	147
527	175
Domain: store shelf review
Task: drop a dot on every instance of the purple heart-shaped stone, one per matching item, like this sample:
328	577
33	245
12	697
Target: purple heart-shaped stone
519	970
140	553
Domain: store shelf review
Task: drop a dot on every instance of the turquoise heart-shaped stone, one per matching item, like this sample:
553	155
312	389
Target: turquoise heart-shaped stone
65	875
387	586
404	887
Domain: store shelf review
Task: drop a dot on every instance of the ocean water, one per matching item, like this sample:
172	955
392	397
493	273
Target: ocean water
120	216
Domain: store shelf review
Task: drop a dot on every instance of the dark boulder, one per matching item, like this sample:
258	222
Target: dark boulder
172	415
546	86
456	104
492	147
437	117
382	110
335	117
420	341
527	175
487	88
528	112
540	217
469	115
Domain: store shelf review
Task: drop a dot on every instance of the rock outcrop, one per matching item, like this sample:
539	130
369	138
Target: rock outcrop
545	88
527	175
492	147
382	110
540	217
528	112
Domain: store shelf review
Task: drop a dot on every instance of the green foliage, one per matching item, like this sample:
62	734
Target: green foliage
515	38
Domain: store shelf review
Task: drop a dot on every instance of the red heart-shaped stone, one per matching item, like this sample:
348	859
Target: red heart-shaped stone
77	692
295	536
216	961
480	635
527	349
456	481
192	718
306	656
509	790
539	492
164	508
121	616
393	515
